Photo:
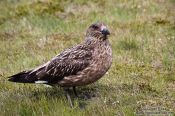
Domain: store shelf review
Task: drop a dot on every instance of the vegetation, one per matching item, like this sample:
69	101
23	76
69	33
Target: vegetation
143	41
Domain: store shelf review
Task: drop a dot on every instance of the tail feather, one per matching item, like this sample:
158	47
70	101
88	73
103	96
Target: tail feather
23	77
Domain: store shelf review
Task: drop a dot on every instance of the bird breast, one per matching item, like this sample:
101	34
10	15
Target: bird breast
102	60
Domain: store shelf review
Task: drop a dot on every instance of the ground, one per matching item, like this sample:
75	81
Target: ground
142	76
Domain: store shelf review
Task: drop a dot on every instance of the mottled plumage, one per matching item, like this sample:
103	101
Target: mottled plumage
80	65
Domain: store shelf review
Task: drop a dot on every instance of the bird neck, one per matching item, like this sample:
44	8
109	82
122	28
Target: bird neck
92	41
95	39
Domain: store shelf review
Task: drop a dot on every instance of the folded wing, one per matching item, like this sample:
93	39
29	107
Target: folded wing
67	63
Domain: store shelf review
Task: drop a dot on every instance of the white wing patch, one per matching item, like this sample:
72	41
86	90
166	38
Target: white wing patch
41	82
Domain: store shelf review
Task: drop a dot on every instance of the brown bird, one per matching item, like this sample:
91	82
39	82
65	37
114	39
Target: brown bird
80	65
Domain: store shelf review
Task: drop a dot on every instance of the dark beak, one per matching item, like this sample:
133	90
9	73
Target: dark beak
105	32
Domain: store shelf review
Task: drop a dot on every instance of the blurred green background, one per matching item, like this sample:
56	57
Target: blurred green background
143	42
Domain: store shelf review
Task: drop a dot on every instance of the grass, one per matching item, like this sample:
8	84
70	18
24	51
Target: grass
143	42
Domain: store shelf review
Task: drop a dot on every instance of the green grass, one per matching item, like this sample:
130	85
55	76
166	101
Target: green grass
143	42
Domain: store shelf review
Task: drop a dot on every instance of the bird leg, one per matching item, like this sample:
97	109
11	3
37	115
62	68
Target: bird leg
81	104
68	96
75	92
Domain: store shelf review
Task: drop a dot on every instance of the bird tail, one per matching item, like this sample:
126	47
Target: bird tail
23	77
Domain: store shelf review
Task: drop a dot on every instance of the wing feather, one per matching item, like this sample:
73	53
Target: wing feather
67	63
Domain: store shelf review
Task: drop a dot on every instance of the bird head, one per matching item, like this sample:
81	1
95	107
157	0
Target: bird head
98	30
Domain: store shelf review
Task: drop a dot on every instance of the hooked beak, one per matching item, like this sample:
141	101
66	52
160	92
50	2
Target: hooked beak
105	31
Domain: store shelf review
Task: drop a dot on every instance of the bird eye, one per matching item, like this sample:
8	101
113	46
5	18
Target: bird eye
95	26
